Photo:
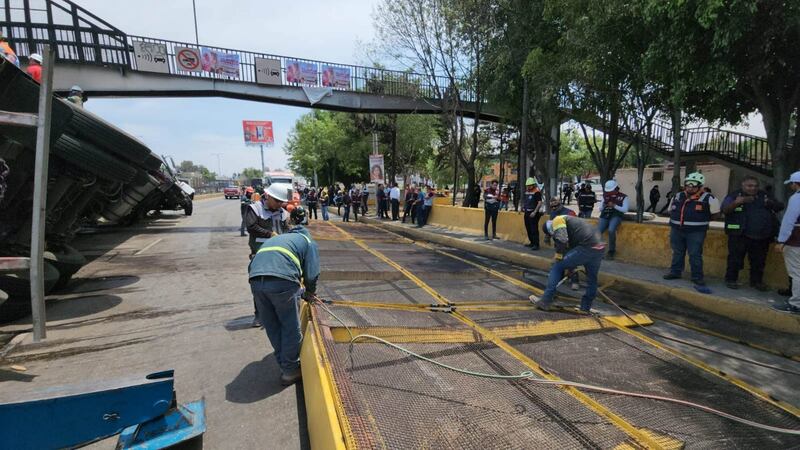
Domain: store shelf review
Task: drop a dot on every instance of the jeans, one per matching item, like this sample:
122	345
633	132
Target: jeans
490	213
611	224
422	216
395	209
346	216
277	305
683	240
585	213
587	257
755	249
532	227
325	212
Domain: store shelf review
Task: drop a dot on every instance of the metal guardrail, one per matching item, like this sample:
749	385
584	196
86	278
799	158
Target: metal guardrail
81	37
748	151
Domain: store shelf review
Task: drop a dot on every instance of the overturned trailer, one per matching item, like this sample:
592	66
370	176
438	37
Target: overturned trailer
97	172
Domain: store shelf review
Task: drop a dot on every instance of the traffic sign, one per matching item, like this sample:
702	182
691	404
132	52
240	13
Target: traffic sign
187	59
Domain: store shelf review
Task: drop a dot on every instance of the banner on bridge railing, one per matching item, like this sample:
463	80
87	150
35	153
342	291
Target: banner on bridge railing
301	72
336	77
220	63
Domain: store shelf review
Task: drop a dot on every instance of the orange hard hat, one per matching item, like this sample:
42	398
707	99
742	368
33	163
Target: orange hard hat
290	207
250	189
255	197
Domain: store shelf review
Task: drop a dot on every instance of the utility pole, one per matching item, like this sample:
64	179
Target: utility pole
196	35
262	160
40	195
219	165
522	170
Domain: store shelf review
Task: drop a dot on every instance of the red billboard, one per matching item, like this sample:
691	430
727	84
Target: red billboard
258	132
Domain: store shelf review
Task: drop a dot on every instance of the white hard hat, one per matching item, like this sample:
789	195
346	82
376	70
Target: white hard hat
279	191
76	88
610	185
36	57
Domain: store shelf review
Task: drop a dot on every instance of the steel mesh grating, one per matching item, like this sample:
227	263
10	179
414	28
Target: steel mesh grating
400	402
614	359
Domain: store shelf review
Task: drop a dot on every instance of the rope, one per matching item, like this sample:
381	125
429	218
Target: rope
528	375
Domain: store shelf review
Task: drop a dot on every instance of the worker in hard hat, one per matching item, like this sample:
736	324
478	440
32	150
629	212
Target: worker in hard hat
267	216
76	96
690	213
613	207
577	243
276	273
245	202
7	52
532	211
34	68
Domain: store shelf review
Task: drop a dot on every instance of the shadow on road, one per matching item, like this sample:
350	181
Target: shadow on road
74	308
257	381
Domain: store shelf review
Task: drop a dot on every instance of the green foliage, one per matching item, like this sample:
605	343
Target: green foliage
250	173
190	167
575	159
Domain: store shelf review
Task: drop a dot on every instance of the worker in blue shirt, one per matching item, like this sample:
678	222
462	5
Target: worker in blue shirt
276	273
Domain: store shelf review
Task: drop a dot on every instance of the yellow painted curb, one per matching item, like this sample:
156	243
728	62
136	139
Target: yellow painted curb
744	312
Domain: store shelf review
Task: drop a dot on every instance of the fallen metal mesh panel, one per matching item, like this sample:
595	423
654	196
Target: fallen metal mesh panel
356	260
377	291
481	287
377	317
393	401
500	318
614	359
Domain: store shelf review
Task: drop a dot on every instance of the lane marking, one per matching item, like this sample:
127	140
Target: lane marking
147	247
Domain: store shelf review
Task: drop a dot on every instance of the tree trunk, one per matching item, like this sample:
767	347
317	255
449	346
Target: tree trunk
776	124
640	163
677	138
393	166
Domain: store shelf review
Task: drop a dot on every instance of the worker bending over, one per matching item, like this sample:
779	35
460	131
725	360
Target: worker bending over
577	243
276	273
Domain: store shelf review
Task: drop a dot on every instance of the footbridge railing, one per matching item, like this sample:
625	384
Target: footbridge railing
83	38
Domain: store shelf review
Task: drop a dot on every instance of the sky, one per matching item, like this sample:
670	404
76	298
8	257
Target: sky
198	129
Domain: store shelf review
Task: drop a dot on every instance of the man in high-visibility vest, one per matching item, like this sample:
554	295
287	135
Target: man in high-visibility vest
276	272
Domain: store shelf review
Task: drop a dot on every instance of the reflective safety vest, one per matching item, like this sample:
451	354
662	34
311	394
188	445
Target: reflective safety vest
285	251
691	212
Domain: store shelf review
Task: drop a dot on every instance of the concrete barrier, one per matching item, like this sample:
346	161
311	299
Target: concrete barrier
640	243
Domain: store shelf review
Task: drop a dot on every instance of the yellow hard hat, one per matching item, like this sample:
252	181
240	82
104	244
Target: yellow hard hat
530	181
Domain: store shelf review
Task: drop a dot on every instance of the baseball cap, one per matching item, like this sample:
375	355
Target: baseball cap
794	178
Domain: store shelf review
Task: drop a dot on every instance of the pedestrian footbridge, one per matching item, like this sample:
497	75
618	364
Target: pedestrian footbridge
107	62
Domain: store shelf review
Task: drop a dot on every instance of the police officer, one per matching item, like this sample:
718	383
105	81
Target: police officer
276	273
577	243
532	211
586	201
690	213
750	224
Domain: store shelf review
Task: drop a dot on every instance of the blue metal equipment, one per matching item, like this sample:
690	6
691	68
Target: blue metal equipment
144	411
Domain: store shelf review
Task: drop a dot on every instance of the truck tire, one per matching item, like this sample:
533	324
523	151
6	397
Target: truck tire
103	134
92	159
18	288
188	208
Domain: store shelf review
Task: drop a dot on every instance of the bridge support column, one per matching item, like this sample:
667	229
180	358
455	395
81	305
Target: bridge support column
552	169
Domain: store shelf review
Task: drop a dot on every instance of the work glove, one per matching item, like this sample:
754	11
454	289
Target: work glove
311	297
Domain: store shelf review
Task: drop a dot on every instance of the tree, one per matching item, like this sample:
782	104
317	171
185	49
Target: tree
445	39
575	160
251	172
205	174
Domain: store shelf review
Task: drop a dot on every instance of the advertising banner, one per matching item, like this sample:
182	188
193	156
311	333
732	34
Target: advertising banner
258	132
187	59
220	63
151	56
336	77
376	168
301	72
268	71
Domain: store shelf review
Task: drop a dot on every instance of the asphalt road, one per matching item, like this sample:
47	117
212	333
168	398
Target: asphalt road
172	294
